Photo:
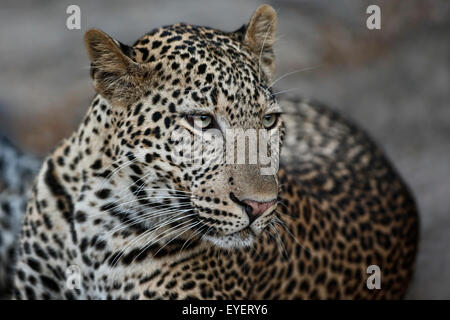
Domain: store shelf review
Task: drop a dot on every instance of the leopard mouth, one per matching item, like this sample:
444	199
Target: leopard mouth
243	233
238	239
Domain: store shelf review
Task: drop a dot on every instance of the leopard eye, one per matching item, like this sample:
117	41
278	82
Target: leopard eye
201	121
270	120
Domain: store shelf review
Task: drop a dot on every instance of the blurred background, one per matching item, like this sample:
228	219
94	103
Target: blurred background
394	82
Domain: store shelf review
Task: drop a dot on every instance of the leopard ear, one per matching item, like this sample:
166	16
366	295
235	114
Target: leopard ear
116	76
260	37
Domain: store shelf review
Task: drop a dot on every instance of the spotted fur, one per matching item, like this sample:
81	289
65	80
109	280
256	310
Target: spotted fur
17	170
112	202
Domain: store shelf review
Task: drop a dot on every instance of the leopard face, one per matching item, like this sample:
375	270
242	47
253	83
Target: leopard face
172	99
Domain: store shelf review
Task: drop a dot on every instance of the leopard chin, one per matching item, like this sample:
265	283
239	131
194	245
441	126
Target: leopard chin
239	239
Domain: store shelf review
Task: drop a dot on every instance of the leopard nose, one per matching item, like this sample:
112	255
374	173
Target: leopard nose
256	208
253	208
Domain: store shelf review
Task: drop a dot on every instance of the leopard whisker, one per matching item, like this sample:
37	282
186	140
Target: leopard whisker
283	91
119	167
195	233
279	241
194	224
134	208
284	205
113	172
144	198
174	190
291	73
141	219
134	221
166	233
134	183
160	206
283	224
146	233
139	208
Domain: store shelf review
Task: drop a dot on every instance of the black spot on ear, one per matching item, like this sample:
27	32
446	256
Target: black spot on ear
240	33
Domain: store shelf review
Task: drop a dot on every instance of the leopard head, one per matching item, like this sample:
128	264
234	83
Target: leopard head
188	102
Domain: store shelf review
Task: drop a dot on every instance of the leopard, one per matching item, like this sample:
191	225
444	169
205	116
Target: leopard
17	170
122	210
